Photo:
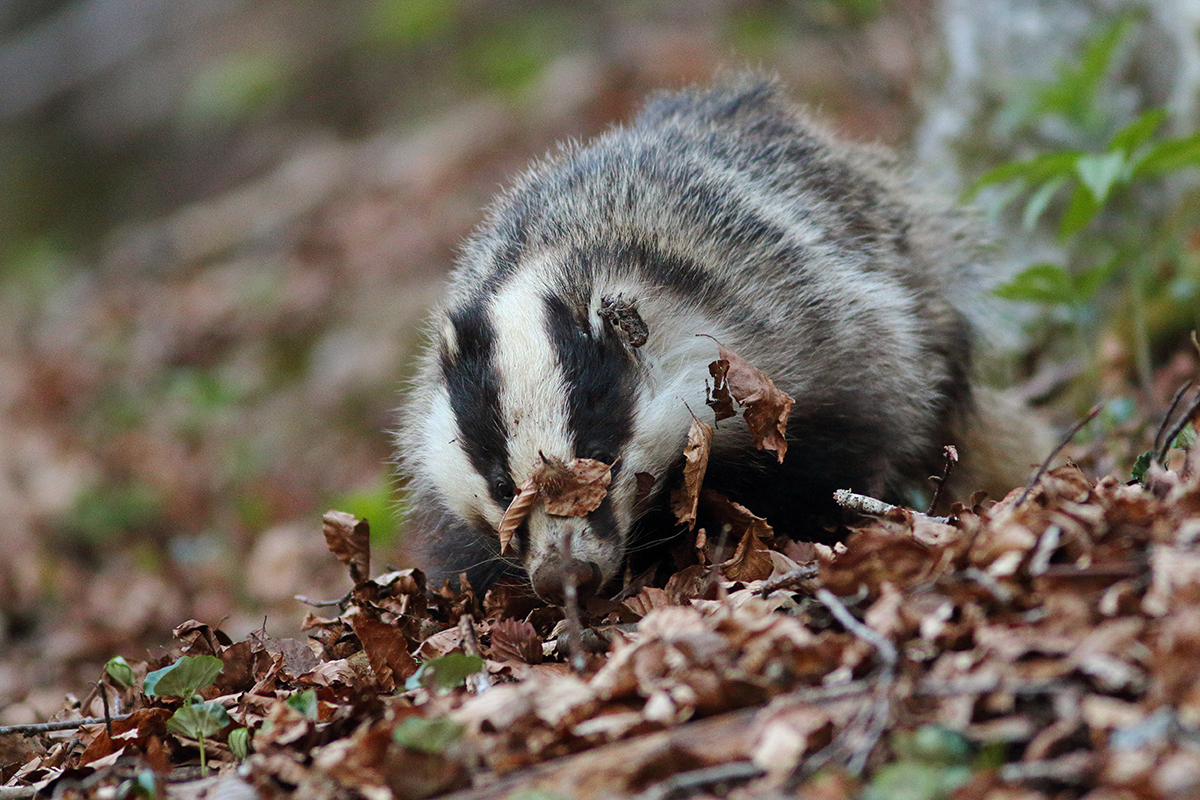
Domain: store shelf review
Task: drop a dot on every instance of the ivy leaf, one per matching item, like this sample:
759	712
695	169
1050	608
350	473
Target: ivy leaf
1041	283
305	702
427	735
445	673
119	672
1140	465
199	720
239	743
183	678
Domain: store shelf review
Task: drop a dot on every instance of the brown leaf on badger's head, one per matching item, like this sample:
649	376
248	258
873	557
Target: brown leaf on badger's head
572	488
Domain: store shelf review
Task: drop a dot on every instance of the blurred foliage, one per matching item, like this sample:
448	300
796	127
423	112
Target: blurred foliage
1117	202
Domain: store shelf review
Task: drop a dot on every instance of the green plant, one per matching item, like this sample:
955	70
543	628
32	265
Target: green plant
1104	201
196	719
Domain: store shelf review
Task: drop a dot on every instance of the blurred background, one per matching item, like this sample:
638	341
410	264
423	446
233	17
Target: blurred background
221	222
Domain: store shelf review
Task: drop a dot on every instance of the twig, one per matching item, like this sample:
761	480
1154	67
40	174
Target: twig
803	572
939	481
322	603
705	776
874	716
1161	444
104	701
17	792
571	607
50	727
1066	440
1181	422
870	507
480	679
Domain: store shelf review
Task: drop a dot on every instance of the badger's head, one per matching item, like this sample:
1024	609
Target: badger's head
532	368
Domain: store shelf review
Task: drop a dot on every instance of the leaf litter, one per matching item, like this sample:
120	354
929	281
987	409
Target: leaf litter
1045	645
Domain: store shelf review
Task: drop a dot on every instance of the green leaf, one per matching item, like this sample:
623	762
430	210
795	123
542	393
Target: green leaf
199	720
445	673
915	780
1140	465
305	702
1138	132
239	743
427	735
1032	171
1169	156
119	672
183	678
1041	283
1100	173
1080	211
1039	200
1185	439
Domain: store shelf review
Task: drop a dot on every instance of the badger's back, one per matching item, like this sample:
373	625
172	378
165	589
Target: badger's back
722	213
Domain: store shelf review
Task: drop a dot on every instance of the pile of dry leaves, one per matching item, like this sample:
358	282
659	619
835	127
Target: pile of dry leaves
1047	645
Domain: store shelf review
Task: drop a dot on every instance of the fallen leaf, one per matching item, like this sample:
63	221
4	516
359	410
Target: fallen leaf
686	497
572	488
349	538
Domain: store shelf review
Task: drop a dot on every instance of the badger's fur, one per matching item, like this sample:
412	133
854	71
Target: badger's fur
721	212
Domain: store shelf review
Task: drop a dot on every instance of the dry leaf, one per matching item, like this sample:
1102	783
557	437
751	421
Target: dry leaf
572	488
686	497
516	513
719	399
513	640
349	538
767	408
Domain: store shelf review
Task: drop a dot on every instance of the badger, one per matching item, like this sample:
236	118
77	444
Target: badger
580	322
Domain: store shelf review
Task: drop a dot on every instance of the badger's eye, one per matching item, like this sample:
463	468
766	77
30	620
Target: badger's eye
503	490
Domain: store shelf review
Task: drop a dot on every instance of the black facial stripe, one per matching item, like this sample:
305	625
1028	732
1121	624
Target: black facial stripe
600	380
603	521
474	388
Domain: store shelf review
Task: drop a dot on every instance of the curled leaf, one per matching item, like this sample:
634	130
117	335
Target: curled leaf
686	497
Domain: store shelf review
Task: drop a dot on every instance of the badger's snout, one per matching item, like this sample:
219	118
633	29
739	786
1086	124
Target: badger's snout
550	579
565	548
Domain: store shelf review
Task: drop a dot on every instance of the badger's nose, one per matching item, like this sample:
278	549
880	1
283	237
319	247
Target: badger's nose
550	578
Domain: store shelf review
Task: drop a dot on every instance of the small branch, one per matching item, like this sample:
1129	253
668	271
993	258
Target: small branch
1066	440
480	681
870	507
571	607
322	603
50	727
801	573
1161	443
1160	454
874	715
698	778
939	481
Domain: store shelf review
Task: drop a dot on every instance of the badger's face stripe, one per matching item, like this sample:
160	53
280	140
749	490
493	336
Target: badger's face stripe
600	379
473	386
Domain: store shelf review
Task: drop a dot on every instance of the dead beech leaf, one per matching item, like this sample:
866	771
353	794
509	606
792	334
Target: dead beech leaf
767	408
515	640
385	646
516	513
719	399
572	488
349	538
751	559
686	497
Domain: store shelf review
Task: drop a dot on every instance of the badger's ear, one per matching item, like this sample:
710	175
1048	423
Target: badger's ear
621	319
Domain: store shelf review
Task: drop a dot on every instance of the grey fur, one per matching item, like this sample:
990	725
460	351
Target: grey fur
818	261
